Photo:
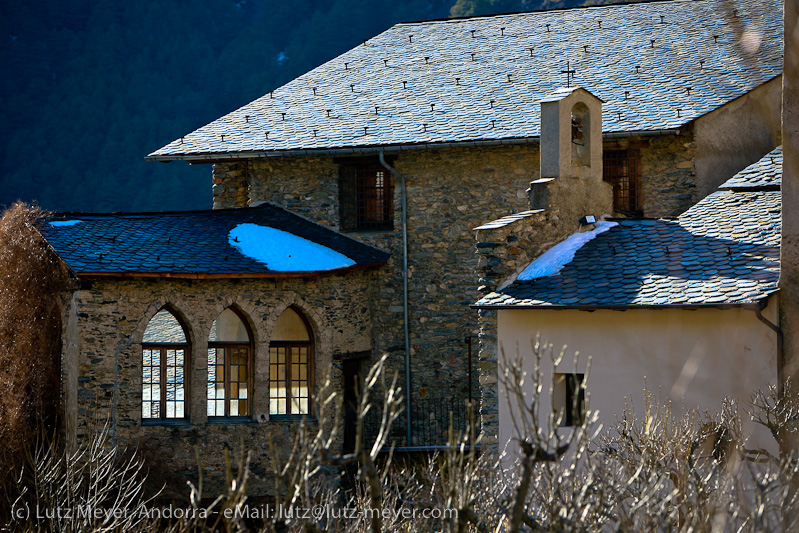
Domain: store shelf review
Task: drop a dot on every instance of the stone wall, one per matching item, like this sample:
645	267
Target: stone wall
111	316
230	184
668	177
450	192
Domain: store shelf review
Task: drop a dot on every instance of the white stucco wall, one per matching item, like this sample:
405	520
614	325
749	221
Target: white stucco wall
694	358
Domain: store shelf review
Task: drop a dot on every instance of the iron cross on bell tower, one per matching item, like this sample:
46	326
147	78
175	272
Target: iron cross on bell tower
569	73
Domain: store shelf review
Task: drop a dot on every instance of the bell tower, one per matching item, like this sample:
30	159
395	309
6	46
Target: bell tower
571	153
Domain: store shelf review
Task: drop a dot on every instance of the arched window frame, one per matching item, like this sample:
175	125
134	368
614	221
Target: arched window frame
163	348
291	351
228	349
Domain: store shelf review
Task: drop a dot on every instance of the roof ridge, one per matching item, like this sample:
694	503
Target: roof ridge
153	213
553	10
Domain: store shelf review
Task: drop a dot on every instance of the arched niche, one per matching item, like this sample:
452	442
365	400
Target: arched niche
581	135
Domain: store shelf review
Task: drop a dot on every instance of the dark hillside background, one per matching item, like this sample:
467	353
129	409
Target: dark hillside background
89	87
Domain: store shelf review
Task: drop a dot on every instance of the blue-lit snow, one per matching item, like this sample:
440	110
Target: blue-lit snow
284	252
553	260
62	223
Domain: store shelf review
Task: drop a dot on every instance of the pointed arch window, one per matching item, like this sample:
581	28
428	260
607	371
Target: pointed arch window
291	366
164	367
229	367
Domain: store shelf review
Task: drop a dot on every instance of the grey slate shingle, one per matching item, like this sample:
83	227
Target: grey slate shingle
721	34
188	242
725	250
765	174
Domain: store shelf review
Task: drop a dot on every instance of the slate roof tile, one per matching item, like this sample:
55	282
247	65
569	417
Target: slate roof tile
765	174
722	251
619	58
186	242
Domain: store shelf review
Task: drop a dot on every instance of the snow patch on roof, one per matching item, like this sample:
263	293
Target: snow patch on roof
553	260
285	252
61	223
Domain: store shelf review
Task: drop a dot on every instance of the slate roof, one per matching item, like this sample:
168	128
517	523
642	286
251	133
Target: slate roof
657	65
184	243
725	250
765	174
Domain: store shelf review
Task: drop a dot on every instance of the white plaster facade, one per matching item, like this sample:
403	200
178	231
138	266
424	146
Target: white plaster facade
692	358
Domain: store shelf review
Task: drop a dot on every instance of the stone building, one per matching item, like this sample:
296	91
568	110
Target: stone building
345	208
686	308
184	330
421	134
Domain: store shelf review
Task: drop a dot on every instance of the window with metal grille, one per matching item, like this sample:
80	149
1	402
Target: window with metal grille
366	195
621	168
164	363
229	367
290	366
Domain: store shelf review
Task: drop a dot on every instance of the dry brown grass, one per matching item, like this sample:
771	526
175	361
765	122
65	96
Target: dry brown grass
31	280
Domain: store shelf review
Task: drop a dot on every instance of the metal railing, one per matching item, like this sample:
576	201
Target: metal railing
430	419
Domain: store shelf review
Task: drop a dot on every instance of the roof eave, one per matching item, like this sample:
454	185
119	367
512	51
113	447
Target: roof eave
230	275
208	157
628	307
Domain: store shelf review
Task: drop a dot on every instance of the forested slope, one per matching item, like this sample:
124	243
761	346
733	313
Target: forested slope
90	87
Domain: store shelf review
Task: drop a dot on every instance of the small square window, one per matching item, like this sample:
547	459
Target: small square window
366	196
568	399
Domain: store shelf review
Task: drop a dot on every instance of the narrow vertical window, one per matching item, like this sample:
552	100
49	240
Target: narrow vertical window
569	399
229	390
164	364
290	366
621	168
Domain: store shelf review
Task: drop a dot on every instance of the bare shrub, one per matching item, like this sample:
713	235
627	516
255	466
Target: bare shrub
92	488
31	280
654	470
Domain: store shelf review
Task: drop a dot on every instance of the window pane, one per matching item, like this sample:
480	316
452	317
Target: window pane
228	327
162	366
163	327
180	412
290	327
